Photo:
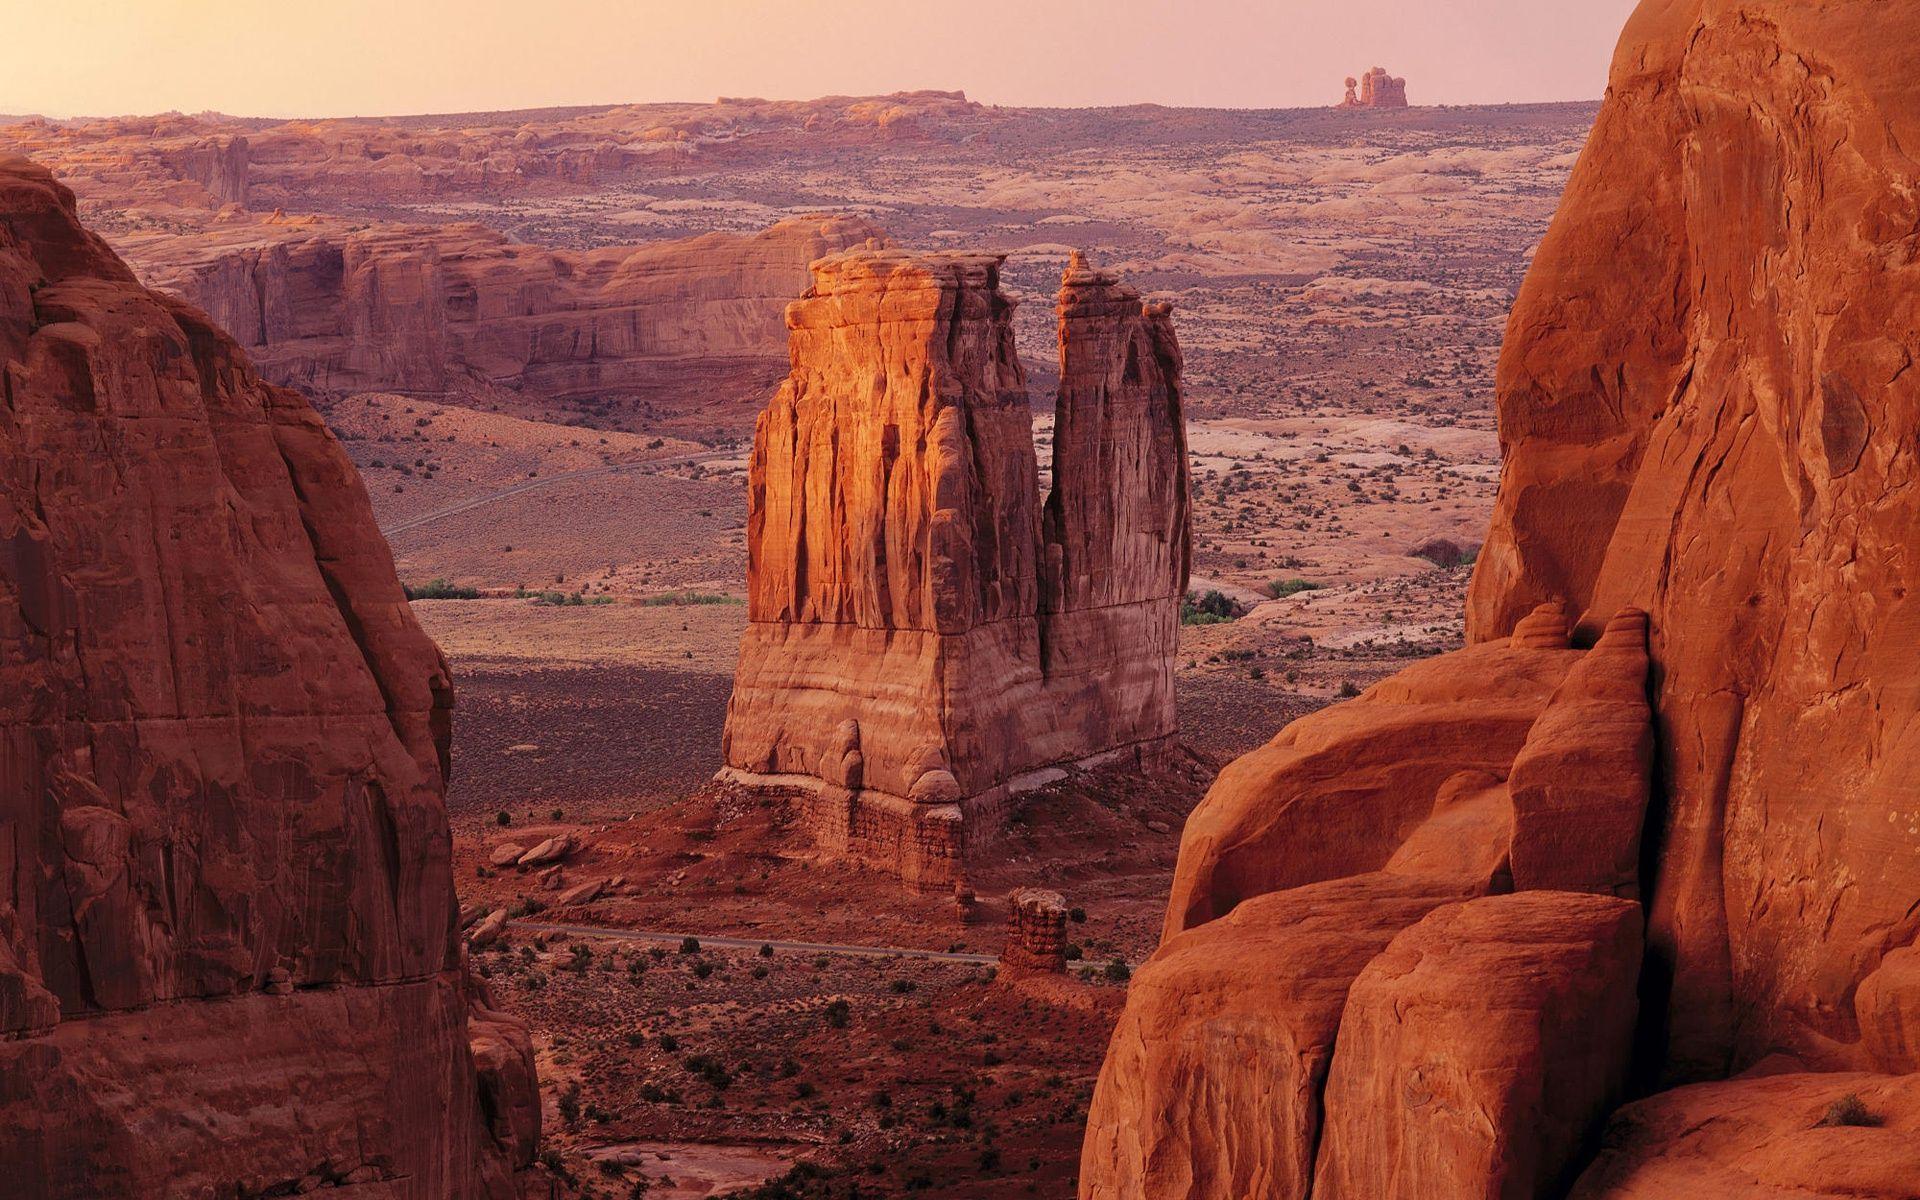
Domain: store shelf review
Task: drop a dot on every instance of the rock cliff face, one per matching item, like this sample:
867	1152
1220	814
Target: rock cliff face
924	633
431	310
227	953
172	161
1708	406
1708	409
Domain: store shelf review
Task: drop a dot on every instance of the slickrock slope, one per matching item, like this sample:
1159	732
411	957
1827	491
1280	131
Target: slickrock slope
1709	411
1708	408
922	635
417	309
227	954
1771	1137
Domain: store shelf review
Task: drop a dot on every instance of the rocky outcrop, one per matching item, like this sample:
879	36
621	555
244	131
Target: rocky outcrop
1036	933
1343	791
357	163
1407	791
228	959
1708	411
1212	1084
1479	1053
1842	1136
1707	407
163	162
1375	89
925	636
429	310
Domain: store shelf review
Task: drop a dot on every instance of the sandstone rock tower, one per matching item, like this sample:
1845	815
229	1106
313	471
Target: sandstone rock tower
1376	89
925	634
227	954
1406	937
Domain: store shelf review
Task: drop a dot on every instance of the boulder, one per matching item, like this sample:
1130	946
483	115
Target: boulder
552	850
1481	1051
488	929
580	893
1212	1082
506	854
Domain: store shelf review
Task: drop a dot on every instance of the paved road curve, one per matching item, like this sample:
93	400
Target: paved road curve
649	464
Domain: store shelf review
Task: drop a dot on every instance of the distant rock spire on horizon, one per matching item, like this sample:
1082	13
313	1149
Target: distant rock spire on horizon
1375	89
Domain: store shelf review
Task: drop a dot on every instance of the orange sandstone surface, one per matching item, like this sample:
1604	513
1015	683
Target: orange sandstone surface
228	962
1404	951
925	634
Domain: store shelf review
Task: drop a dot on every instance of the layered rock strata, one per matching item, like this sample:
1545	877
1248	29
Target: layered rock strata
327	306
1708	412
1036	933
925	635
228	962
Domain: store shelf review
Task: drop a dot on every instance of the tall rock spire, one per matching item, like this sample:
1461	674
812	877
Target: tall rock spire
920	637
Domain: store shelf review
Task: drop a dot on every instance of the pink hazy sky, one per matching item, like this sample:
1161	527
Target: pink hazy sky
346	57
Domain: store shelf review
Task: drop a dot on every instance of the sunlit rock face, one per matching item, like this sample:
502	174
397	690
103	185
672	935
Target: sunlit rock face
227	954
926	632
1689	686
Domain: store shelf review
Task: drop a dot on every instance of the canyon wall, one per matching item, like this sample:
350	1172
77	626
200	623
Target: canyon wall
228	963
1708	410
170	162
1404	945
924	632
435	309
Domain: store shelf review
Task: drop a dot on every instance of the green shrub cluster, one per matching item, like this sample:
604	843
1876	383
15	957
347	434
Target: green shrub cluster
440	589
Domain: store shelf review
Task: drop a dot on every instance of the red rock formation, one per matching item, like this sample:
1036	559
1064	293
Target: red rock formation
1709	415
1377	89
1765	1138
142	162
1707	411
228	963
1338	792
1036	932
1580	784
429	310
1480	1052
1406	787
1212	1081
922	638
